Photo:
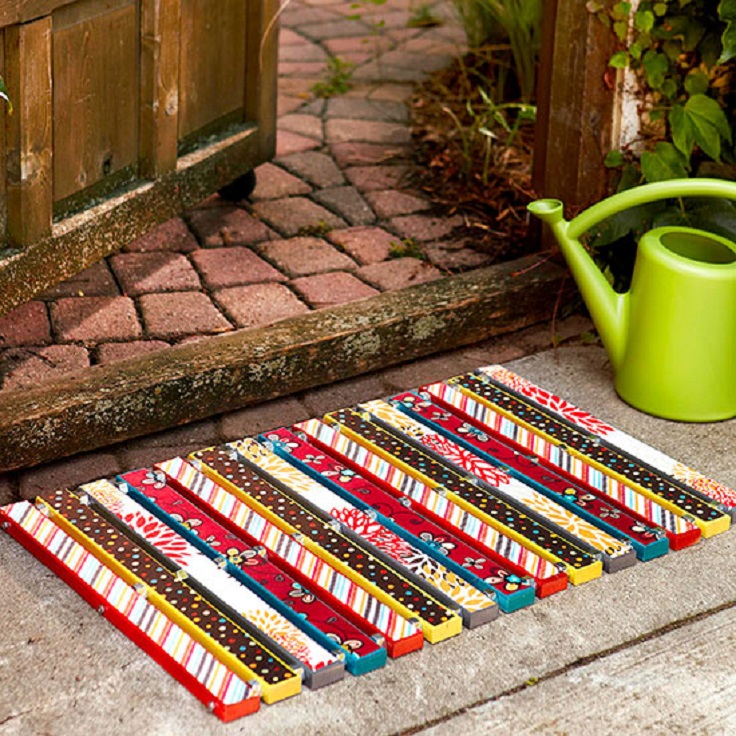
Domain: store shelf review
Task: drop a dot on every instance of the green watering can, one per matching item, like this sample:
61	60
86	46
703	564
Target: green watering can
672	337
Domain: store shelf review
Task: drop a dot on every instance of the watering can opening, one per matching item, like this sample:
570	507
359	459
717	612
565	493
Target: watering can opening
699	247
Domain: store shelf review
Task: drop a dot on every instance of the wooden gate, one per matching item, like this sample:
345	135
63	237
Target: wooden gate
125	113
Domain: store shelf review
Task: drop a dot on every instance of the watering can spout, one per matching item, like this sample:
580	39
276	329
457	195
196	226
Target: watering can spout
607	308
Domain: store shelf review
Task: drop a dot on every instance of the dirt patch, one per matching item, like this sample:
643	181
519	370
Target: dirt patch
474	159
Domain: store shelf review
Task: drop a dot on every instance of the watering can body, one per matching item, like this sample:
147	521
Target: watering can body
672	337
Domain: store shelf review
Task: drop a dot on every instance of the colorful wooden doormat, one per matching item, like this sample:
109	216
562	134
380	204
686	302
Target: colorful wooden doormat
250	569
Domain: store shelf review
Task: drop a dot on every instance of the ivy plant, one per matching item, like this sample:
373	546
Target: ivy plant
679	50
682	52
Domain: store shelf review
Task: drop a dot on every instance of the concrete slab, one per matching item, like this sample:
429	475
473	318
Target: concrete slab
64	670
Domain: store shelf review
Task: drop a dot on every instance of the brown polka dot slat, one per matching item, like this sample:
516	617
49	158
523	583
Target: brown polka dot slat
325	540
198	617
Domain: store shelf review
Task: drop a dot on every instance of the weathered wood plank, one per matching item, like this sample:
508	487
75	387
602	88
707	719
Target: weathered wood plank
575	106
96	84
29	131
3	147
159	112
79	241
212	62
185	383
262	71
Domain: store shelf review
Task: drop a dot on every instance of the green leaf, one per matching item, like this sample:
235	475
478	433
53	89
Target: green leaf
613	159
621	29
683	131
727	13
696	83
664	163
644	20
710	124
656	66
620	60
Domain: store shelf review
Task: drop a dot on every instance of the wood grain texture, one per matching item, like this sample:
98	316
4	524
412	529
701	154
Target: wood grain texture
95	93
575	105
159	111
262	72
29	131
212	62
189	382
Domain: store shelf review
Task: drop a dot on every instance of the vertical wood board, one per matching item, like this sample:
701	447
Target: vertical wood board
212	62
29	131
96	90
159	110
576	105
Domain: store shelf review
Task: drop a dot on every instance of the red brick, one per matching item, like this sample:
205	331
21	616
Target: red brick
287	37
357	44
363	154
234	266
216	226
317	168
93	281
376	178
286	104
143	273
68	473
272	182
339	130
366	244
300	68
173	235
26	367
424	227
302	52
95	319
329	289
455	257
112	352
27	324
398	273
260	304
168	316
390	203
305	256
307	125
291	216
288	143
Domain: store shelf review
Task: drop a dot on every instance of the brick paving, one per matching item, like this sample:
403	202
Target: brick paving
326	224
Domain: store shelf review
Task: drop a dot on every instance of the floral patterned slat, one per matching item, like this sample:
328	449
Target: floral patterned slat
580	564
477	607
649	541
498	478
229	642
401	635
512	590
256	565
361	455
182	656
710	520
323	539
671	467
217	581
483	420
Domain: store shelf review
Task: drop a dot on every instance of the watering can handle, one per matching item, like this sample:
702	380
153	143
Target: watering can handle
647	193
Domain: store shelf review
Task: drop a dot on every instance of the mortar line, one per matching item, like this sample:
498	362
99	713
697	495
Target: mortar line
572	666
